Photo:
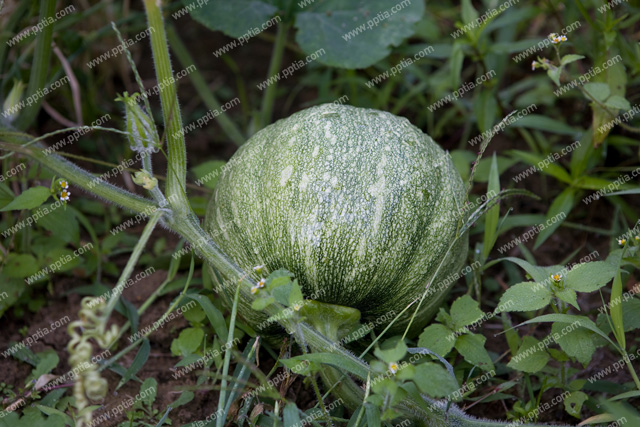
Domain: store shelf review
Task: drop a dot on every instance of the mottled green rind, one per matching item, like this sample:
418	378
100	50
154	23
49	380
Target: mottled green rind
358	203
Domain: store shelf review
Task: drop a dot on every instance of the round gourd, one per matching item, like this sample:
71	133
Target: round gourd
358	203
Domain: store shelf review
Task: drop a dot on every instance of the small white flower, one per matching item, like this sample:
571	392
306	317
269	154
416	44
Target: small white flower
556	277
261	283
254	290
622	242
63	184
64	195
393	367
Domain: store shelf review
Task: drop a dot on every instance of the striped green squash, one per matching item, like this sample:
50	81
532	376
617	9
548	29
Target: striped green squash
358	203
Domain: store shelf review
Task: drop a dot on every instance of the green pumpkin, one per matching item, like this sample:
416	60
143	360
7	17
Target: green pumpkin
358	203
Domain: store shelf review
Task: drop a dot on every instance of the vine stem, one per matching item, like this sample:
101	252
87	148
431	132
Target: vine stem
133	260
177	151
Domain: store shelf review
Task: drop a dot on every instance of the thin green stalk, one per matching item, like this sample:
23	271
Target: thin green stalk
269	97
227	357
40	68
180	50
175	189
81	178
133	260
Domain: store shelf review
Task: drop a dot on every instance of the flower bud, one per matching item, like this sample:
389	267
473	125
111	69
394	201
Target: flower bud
141	129
12	104
143	178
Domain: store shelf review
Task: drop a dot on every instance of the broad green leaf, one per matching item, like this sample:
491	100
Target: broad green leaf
465	311
554	74
576	342
437	338
471	347
394	354
599	91
573	403
569	296
19	266
618	102
47	360
261	303
525	296
62	223
531	356
355	34
557	213
189	340
434	380
583	321
538	273
373	415
238	18
138	362
590	276
29	199
493	215
184	398
53	412
290	415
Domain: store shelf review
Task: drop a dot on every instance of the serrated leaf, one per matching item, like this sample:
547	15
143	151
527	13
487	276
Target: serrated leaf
531	356
148	391
394	354
590	276
576	342
538	273
62	224
471	347
261	303
189	340
465	311
29	199
19	266
569	296
434	380
524	296
437	338
618	102
355	34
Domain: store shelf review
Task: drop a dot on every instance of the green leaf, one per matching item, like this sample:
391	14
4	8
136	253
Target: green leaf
455	63
213	314
47	360
334	359
590	276
29	199
538	273
236	18
615	310
394	354
524	296
189	340
55	412
358	33
485	108
19	266
469	14
618	102
185	397
62	224
148	391
599	91
548	168
138	362
568	59
290	415
471	347
531	356
544	123
558	212
569	296
554	74
573	403
209	172
437	338
576	342
434	380
583	321
465	311
493	215
262	303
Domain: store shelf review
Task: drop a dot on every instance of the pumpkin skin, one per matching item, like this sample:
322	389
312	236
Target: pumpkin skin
358	203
